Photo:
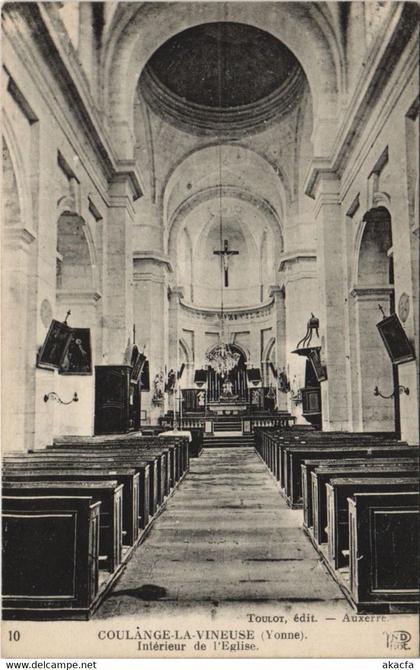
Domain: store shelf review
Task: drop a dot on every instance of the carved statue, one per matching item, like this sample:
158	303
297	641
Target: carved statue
227	389
157	398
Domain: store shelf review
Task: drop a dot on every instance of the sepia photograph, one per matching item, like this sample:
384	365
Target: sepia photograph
209	330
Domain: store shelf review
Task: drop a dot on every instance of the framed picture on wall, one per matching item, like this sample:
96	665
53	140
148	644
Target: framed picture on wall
78	358
55	347
395	340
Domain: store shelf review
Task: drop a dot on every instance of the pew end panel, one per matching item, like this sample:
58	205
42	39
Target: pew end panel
383	531
50	557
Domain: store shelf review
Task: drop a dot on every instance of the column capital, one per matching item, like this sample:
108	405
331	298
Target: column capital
78	297
126	173
321	174
371	293
176	292
157	257
290	257
277	291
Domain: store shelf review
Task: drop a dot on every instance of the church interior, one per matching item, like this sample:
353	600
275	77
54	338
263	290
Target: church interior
210	305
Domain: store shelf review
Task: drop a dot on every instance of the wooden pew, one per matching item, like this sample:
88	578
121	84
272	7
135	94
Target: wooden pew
93	462
290	466
323	474
294	457
154	476
50	556
108	493
56	472
163	478
338	490
384	570
159	461
273	443
177	447
308	466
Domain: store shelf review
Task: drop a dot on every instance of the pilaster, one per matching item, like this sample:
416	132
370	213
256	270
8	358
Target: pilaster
118	287
278	293
331	282
373	365
175	295
151	316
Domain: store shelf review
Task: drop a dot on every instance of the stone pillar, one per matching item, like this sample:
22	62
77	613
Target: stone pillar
374	367
175	295
335	411
118	270
200	346
151	318
86	39
301	298
16	368
278	293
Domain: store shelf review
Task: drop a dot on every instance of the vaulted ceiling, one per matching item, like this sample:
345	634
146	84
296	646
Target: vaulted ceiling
223	65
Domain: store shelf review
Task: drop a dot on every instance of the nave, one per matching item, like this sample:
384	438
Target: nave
226	535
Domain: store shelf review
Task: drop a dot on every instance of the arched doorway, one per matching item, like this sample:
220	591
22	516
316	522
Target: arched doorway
237	376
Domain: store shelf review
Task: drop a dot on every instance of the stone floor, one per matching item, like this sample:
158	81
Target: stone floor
225	536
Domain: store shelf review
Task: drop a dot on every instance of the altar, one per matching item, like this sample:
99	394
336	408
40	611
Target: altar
228	406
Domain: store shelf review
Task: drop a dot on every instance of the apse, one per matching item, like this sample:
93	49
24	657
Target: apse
244	274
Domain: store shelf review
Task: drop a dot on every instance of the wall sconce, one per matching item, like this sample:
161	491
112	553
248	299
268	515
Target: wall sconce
399	391
54	396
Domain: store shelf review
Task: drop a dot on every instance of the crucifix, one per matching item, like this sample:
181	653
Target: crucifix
226	252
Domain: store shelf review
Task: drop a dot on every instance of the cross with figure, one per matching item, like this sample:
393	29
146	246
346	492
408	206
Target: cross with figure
226	253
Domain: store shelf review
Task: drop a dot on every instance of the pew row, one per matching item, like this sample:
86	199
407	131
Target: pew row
130	484
109	494
359	495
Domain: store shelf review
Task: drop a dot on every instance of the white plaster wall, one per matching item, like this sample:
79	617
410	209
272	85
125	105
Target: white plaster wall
387	128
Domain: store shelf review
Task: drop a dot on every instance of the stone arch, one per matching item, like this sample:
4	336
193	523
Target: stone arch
263	205
375	241
266	359
138	30
269	349
15	165
373	286
65	207
18	333
186	276
12	216
186	350
279	186
75	269
244	351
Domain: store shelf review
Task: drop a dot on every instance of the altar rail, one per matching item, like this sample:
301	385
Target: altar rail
280	420
248	422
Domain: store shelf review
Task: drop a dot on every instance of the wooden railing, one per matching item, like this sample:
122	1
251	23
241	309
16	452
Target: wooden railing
284	420
248	422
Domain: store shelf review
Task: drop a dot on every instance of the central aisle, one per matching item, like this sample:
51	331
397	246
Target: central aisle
226	535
